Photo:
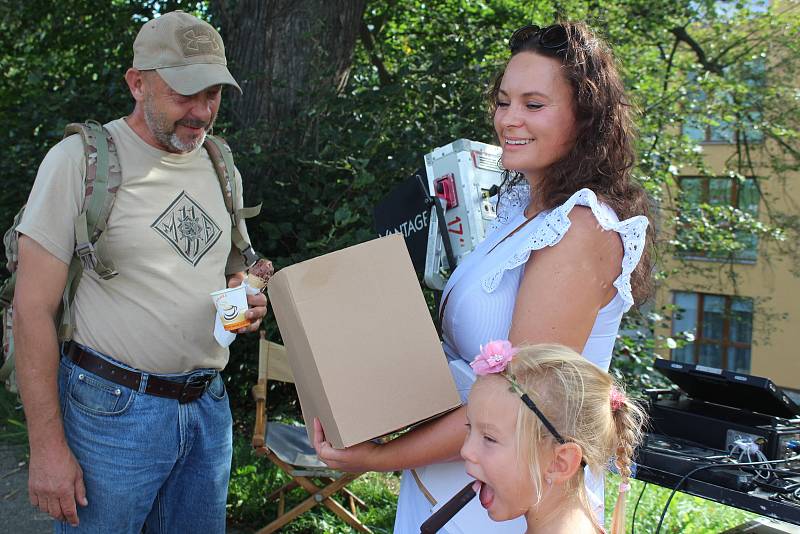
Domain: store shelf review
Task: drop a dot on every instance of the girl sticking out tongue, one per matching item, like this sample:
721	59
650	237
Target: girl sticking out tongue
537	417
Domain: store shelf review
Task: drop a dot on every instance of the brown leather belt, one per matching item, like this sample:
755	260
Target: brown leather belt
184	391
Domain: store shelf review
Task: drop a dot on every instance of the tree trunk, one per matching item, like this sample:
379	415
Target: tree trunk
283	52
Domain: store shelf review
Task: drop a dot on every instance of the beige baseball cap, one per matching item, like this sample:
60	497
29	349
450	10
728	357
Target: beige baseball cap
187	52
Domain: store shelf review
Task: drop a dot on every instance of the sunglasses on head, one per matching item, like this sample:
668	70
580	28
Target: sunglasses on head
552	37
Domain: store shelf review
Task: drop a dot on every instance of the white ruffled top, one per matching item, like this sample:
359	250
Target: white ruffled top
482	290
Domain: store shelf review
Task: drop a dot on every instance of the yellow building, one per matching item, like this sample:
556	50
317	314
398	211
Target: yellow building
742	314
745	313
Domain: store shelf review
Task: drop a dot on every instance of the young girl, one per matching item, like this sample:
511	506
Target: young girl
537	416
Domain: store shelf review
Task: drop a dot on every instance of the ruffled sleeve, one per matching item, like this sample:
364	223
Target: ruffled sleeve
632	231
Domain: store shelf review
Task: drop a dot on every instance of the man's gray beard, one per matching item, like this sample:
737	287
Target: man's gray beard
183	148
169	140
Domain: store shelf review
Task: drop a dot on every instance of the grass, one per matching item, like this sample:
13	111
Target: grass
253	478
686	514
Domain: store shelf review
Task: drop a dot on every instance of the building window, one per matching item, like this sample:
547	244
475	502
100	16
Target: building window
727	10
706	201
719	329
711	131
704	118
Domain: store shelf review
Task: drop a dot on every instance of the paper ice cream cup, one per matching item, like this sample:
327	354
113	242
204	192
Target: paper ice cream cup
231	306
256	282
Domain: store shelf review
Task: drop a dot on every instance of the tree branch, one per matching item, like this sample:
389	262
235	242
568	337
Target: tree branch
739	42
381	20
710	65
793	151
664	87
366	38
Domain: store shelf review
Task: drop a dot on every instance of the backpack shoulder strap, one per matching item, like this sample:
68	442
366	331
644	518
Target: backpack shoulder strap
222	160
103	178
11	243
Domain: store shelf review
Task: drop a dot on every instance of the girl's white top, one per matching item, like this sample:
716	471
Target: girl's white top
481	295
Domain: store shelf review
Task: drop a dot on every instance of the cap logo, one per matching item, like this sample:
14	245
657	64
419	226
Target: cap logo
199	40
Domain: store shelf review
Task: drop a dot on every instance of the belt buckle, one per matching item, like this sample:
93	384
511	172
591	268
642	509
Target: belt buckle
194	388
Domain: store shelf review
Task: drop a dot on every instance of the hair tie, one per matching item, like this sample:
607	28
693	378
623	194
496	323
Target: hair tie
618	399
624	487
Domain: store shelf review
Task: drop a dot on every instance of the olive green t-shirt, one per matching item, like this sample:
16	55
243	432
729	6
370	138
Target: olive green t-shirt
168	236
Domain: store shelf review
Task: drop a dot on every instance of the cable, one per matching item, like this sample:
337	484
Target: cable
748	448
635	508
710	466
682	454
790	494
770	469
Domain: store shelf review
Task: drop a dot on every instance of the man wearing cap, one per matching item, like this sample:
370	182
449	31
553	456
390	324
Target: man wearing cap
119	442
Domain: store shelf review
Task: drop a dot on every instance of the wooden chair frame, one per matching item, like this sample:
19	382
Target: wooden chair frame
321	484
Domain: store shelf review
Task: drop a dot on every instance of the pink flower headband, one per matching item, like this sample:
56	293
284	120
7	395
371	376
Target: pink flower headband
494	358
496	355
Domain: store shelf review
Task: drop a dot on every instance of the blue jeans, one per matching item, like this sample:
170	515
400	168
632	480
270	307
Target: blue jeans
149	463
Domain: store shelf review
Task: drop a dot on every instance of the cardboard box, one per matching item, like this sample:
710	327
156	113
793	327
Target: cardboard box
361	343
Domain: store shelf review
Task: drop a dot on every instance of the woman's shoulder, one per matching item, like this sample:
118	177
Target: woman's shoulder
588	203
586	209
588	222
586	231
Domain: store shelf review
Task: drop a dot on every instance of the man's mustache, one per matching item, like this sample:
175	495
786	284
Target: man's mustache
193	123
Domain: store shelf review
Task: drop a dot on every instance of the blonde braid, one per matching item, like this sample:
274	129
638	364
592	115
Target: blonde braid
629	419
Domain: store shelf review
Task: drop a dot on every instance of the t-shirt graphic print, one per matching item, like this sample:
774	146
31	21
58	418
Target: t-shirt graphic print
187	228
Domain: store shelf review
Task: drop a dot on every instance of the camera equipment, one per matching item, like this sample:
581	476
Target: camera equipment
465	178
725	436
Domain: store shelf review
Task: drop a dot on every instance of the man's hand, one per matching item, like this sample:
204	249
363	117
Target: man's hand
55	483
257	303
355	459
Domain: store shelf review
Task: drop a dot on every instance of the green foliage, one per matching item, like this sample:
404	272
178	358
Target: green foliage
635	351
61	62
12	423
708	228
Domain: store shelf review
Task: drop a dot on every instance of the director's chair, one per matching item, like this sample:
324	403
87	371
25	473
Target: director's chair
287	447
